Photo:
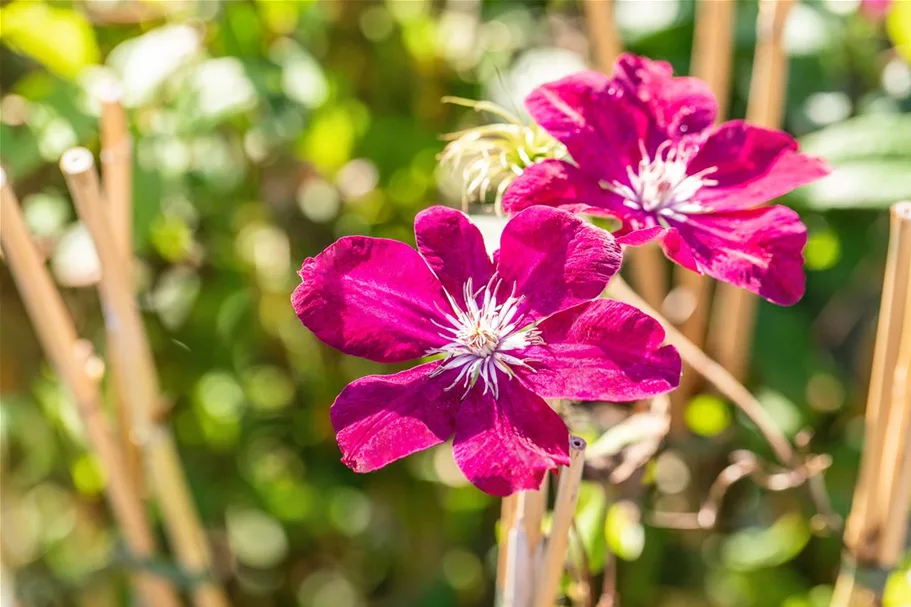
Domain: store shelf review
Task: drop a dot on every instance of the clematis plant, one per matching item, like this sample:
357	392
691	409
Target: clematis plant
505	332
644	150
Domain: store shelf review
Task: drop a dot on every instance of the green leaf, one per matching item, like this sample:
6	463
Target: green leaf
589	522
870	183
59	38
871	160
623	530
863	137
761	547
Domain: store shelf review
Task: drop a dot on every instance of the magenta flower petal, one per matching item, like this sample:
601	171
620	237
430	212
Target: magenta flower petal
381	418
760	250
555	183
678	251
453	248
875	10
371	297
634	238
680	106
600	128
555	260
602	350
751	165
508	444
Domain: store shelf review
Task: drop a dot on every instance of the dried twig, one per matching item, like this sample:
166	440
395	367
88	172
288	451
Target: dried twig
122	314
744	464
728	385
58	337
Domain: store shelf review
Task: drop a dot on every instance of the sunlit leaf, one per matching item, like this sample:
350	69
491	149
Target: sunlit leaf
868	183
871	160
898	25
146	62
589	517
59	38
760	547
623	530
898	588
707	415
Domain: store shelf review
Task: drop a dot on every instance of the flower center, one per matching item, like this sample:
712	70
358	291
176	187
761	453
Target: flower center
484	339
662	184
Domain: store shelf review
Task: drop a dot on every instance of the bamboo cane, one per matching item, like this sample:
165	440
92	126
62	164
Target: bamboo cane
711	62
519	567
876	531
647	266
864	523
732	325
602	32
57	334
554	560
117	181
895	483
508	508
121	313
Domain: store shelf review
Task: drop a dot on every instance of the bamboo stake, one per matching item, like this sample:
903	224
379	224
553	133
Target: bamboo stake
117	181
117	166
711	62
713	44
533	514
523	549
508	508
602	32
554	560
518	559
58	337
731	333
121	313
895	485
862	531
647	266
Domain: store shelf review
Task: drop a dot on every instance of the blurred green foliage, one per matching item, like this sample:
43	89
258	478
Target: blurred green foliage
264	130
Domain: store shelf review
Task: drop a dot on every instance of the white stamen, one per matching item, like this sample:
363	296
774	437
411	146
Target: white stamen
484	339
662	184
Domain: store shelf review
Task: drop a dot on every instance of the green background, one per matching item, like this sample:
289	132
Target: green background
264	131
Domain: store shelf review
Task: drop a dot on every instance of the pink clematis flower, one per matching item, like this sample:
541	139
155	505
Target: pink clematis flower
645	152
508	331
875	10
